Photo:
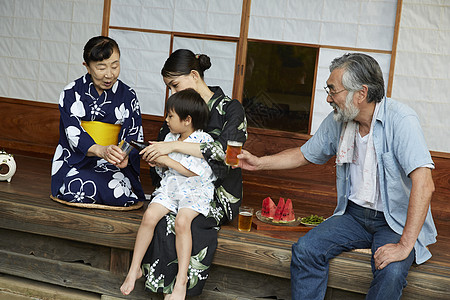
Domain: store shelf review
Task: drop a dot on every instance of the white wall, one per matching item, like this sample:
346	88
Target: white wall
143	54
221	17
41	45
342	23
422	68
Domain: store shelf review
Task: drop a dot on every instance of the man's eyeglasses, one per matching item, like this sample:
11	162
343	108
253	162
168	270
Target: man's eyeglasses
330	93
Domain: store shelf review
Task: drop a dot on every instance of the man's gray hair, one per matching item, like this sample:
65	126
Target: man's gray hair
361	69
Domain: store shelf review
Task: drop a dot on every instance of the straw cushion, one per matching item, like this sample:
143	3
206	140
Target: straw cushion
99	206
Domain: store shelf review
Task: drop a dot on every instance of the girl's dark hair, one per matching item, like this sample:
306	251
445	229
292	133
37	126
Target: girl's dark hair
183	61
189	103
99	48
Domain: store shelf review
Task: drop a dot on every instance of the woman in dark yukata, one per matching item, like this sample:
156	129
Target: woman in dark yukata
96	111
182	70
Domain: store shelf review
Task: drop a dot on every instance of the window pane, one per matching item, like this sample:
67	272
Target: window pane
278	86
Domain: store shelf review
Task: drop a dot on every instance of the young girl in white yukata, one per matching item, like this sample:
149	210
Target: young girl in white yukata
187	188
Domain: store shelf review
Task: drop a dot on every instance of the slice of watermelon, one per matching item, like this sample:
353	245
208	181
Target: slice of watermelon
288	214
279	211
268	208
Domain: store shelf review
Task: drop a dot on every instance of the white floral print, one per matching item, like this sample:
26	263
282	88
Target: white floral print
81	190
120	184
62	95
103	166
72	172
77	108
115	86
73	135
61	156
151	282
135	106
95	109
121	114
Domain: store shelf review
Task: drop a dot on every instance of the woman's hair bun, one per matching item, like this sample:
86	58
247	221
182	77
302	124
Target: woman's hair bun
203	61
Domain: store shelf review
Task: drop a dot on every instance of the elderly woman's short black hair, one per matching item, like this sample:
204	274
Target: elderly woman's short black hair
99	48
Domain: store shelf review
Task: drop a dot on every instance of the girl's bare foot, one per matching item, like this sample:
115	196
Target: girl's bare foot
128	284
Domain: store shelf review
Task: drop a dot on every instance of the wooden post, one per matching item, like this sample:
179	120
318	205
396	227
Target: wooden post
394	48
120	261
106	15
241	52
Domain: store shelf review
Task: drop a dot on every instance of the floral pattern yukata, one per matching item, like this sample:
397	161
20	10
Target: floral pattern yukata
79	178
227	122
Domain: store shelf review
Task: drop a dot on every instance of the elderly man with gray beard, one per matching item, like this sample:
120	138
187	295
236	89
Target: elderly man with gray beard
383	179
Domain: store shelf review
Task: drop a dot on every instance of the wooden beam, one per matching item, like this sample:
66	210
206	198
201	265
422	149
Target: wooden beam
179	34
58	221
106	16
120	261
241	52
72	275
86	278
394	48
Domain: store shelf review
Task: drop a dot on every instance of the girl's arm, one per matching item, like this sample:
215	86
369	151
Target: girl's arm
156	149
170	163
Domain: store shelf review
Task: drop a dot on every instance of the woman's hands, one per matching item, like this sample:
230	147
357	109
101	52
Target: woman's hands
112	154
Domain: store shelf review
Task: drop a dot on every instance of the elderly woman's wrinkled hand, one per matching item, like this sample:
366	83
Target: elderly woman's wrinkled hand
113	155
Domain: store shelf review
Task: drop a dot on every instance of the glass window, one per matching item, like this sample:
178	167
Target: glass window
278	86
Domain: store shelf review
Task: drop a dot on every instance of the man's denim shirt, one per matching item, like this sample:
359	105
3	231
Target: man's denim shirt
400	149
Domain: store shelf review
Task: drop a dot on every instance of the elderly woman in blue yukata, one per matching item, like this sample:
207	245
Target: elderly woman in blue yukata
98	110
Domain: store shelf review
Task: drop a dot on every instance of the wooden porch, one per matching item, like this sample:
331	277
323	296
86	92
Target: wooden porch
90	249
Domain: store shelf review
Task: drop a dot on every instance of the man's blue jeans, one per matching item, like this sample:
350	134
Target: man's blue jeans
357	228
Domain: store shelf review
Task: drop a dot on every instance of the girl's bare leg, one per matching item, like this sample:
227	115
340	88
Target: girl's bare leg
152	215
184	249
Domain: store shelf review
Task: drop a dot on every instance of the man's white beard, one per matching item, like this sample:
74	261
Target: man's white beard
347	114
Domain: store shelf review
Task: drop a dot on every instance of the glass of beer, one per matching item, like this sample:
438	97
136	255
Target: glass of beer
233	149
245	218
125	147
